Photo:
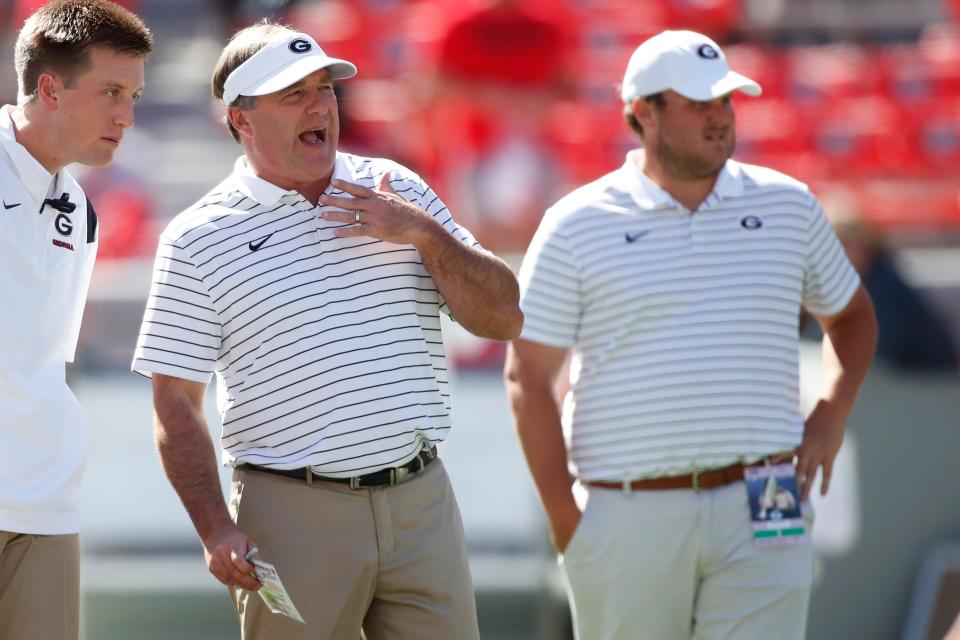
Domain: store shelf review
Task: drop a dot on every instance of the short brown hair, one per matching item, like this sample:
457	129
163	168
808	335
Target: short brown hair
656	99
58	36
241	48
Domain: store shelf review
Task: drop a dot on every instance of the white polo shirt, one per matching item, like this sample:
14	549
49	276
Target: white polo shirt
47	258
327	350
683	325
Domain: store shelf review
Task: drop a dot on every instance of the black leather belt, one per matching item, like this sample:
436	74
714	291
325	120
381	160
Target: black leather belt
389	476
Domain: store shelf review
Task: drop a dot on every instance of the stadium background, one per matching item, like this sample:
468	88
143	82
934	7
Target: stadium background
503	106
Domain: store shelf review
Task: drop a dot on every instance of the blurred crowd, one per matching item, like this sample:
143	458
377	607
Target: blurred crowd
505	105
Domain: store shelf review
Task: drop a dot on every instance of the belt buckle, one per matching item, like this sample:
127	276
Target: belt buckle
695	477
355	483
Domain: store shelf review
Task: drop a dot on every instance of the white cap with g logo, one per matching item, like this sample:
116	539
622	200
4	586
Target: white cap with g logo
281	63
689	63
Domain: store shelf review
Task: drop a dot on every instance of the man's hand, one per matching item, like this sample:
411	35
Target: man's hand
849	340
224	550
822	438
563	526
383	214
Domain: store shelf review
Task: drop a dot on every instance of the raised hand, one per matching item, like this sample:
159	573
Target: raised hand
378	213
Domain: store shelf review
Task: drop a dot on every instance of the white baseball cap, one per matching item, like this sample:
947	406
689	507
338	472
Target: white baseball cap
686	62
278	65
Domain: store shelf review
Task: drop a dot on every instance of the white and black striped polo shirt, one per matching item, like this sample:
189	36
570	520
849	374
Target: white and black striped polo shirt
684	326
327	350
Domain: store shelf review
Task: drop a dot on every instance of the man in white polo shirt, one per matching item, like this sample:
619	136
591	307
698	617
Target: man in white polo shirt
311	282
79	68
676	283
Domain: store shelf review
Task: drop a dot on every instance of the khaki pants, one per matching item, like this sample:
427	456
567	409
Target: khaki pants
39	586
391	560
675	565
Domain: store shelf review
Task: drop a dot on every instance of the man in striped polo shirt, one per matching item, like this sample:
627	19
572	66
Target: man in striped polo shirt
311	283
676	283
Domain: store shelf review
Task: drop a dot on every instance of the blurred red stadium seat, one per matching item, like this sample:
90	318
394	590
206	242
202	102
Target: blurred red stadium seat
715	18
125	231
865	135
763	64
343	29
939	47
920	205
766	125
587	141
905	74
938	136
608	33
832	71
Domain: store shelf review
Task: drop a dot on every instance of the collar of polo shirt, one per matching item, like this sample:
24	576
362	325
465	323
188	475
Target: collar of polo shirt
266	193
281	63
34	176
649	195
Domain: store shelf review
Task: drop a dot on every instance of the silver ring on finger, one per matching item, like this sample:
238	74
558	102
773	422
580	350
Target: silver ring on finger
356	216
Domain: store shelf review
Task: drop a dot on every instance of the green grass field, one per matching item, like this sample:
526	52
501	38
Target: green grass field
208	615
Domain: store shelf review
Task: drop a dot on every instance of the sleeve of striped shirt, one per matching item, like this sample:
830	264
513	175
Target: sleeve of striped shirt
424	197
550	289
432	204
180	335
829	280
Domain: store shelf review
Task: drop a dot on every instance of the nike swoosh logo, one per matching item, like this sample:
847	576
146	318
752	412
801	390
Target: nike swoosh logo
10	206
633	237
256	244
